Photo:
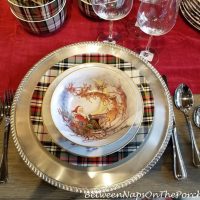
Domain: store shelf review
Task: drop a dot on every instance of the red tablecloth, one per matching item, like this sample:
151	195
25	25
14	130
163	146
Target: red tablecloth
178	50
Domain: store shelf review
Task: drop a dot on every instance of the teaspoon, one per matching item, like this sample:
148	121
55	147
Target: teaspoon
184	101
196	116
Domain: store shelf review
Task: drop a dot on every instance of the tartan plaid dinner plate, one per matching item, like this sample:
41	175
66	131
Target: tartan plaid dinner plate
79	152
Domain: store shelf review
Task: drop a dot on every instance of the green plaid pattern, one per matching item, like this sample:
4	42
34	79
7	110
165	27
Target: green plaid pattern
62	154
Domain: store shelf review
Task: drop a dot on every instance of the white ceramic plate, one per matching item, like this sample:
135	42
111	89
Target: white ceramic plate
96	104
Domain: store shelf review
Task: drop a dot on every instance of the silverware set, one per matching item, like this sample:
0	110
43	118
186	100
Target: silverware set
180	172
196	116
5	108
183	100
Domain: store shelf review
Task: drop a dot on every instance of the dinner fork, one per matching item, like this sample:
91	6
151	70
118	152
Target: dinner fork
8	98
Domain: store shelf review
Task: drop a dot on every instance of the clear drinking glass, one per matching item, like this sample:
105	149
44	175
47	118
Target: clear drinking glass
156	18
111	10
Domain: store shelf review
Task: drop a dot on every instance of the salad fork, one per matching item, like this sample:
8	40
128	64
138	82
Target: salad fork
8	98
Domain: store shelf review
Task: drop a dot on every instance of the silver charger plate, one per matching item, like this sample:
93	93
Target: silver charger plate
91	179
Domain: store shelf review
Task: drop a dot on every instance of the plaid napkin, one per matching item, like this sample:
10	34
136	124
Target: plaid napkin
62	154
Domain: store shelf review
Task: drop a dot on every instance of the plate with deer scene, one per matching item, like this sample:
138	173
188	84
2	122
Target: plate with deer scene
96	104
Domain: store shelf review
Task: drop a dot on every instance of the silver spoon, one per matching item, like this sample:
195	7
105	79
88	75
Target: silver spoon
184	101
196	116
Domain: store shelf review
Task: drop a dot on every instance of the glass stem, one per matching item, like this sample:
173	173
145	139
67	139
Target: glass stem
149	43
110	37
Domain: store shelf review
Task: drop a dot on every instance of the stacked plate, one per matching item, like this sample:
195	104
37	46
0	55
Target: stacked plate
87	113
95	106
39	17
191	11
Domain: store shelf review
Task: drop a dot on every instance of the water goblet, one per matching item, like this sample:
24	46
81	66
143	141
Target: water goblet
111	10
156	18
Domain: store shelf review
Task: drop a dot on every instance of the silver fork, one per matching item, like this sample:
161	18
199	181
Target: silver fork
8	98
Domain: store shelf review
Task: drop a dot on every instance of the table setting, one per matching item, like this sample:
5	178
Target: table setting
97	104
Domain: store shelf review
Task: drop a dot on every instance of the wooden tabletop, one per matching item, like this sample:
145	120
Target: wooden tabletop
24	184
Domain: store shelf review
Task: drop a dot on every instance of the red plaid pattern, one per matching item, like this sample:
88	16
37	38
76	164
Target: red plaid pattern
36	13
46	26
86	8
57	69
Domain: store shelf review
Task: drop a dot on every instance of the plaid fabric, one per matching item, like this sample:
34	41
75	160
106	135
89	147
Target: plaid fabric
86	8
46	26
53	72
30	2
37	13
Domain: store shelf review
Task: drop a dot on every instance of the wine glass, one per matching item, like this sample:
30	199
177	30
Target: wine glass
156	18
111	10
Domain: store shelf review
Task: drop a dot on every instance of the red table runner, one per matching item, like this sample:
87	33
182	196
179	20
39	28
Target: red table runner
178	50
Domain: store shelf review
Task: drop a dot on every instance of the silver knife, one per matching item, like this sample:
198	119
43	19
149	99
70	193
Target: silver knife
180	172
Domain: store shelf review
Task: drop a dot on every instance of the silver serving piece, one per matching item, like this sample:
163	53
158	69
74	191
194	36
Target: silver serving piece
4	159
196	116
180	172
184	101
